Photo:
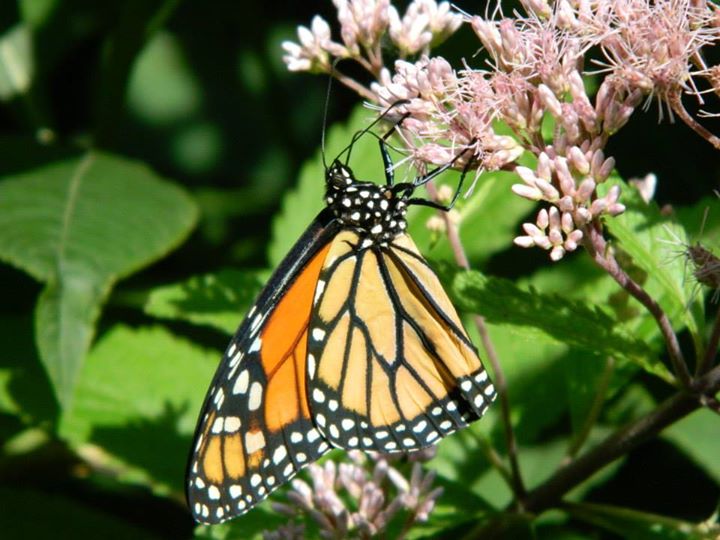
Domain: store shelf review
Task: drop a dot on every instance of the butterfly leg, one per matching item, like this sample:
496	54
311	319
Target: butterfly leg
422	180
387	160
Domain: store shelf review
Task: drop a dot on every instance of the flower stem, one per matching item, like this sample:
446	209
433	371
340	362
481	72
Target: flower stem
495	460
597	247
712	347
353	85
675	101
517	484
621	442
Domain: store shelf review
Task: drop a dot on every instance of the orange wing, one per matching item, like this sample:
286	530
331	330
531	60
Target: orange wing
255	431
391	367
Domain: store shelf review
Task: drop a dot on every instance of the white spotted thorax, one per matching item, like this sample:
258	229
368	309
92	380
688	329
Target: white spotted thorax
375	212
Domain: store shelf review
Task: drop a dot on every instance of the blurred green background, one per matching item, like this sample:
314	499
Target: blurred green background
197	92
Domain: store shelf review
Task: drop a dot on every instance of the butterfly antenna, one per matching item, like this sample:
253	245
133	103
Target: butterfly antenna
325	112
359	134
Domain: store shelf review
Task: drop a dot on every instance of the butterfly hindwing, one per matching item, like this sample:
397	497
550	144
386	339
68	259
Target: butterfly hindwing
256	431
390	366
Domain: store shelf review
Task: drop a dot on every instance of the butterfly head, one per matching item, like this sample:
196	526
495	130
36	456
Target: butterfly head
375	212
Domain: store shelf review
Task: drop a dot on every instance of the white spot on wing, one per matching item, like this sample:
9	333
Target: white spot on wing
318	334
319	289
232	424
236	359
279	454
481	377
311	366
254	441
256	323
255	397
241	383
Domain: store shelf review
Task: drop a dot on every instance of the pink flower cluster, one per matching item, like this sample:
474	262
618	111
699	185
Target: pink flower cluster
534	78
363	25
358	498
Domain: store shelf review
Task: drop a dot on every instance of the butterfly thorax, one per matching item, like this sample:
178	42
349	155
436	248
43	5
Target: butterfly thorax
375	212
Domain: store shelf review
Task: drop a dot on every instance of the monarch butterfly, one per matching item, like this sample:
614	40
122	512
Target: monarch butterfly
353	343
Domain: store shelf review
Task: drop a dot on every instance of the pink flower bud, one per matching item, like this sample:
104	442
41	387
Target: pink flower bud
579	161
616	209
613	194
566	204
552	104
543	242
555	237
532	230
542	219
586	189
544	167
557	253
526	174
567	182
582	216
548	190
567	222
524	241
554	216
598	207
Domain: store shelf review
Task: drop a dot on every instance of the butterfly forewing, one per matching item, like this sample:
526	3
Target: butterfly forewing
390	366
256	430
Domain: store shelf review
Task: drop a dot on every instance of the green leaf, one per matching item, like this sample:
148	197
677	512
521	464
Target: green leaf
138	21
249	526
648	237
701	221
568	321
217	300
492	208
79	225
697	436
635	525
36	12
141	385
25	391
62	517
301	205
